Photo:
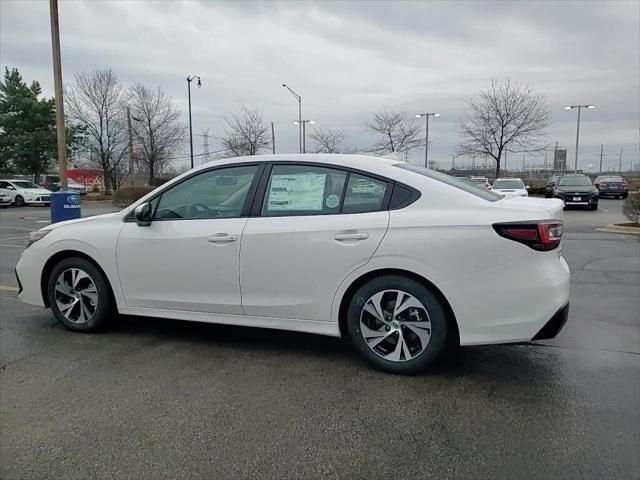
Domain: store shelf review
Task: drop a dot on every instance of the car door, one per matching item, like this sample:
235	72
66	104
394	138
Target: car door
188	257
314	226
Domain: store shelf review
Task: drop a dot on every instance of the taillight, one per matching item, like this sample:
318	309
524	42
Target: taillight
543	235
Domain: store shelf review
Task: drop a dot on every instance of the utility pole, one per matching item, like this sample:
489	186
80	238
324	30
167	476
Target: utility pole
601	149
453	162
273	139
426	136
523	163
205	145
57	79
579	107
300	124
130	146
620	161
190	78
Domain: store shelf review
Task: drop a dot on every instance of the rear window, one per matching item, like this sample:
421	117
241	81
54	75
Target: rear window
449	180
508	184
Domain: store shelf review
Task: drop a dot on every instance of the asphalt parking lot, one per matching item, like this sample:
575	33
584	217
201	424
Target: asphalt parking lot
155	399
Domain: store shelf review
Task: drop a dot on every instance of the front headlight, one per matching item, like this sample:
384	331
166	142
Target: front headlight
35	236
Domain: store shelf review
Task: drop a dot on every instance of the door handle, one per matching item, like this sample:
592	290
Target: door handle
222	238
351	236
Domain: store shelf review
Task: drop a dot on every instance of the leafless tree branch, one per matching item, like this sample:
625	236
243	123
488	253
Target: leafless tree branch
246	133
395	132
507	115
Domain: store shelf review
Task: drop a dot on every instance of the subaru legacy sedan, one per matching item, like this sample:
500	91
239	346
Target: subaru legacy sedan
402	260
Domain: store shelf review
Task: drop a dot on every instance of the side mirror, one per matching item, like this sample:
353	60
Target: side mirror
528	187
143	214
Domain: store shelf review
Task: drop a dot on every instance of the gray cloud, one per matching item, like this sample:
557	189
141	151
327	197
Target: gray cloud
348	59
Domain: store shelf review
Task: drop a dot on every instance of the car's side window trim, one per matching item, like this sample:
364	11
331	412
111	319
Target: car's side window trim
246	207
261	194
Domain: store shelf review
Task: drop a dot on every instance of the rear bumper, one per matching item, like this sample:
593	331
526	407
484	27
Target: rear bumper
556	323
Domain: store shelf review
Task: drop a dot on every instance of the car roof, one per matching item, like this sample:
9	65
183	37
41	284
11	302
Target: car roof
507	178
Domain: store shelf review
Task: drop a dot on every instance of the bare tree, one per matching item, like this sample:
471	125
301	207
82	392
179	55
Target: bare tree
246	133
506	115
328	141
96	102
157	129
395	131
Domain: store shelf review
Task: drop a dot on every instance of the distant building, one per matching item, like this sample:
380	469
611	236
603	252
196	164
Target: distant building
560	160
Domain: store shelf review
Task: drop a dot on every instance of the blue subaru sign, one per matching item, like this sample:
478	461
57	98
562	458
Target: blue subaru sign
64	206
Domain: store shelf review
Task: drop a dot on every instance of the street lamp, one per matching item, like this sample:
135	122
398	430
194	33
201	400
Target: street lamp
189	80
579	107
304	133
300	123
426	144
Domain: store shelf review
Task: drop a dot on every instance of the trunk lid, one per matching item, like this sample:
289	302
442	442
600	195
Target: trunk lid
553	206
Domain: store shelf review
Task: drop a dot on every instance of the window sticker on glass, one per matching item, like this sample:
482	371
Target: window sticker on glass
297	192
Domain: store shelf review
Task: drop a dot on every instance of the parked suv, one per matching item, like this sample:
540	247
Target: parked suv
577	190
550	186
612	185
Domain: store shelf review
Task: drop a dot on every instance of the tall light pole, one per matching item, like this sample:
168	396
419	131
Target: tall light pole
579	107
426	142
189	80
300	123
57	81
304	132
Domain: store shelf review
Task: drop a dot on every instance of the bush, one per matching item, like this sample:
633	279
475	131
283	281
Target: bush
126	196
631	207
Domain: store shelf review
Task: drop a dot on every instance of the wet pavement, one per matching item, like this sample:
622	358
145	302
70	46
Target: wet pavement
155	399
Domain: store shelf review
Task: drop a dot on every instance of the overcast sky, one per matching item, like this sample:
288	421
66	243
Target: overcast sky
349	59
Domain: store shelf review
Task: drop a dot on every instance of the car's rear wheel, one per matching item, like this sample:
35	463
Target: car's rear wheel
397	324
79	295
19	201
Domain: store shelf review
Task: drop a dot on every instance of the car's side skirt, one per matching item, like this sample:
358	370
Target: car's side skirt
296	325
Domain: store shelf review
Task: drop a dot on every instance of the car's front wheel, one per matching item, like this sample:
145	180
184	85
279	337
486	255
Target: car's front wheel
79	295
397	324
19	201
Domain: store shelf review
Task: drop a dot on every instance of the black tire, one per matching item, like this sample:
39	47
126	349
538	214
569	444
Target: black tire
19	201
436	312
105	302
625	195
593	207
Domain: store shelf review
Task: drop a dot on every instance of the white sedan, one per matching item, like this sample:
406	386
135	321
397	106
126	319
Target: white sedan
510	187
403	260
23	192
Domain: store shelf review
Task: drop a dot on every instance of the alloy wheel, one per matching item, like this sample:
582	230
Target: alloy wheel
395	325
76	295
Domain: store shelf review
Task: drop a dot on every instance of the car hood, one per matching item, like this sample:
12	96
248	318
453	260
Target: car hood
576	188
94	218
34	191
510	191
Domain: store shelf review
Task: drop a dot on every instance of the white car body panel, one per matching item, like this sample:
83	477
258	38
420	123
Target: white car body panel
152	260
291	273
301	282
511	192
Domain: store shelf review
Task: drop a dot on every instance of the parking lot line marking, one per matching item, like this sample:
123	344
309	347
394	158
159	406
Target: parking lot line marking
17	228
605	210
43	221
6	288
14	246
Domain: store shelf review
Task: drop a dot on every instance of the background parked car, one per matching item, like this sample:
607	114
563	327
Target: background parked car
510	187
23	192
482	182
550	185
577	190
52	183
612	185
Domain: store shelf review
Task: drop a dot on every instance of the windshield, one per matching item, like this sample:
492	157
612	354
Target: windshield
478	180
579	181
24	184
449	180
515	183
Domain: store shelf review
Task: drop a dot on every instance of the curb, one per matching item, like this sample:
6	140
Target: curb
617	229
